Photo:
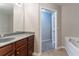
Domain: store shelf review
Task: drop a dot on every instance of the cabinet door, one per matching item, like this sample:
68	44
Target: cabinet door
21	51
30	45
21	47
7	50
18	18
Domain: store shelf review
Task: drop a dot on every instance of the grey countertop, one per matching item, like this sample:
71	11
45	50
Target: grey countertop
16	38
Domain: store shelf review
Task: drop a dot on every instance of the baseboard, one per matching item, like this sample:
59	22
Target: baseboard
36	54
60	47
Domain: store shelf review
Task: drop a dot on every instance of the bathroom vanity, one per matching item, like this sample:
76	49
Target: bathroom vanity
22	45
12	20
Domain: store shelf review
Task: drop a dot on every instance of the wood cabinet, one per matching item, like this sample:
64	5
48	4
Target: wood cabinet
7	50
21	51
30	45
23	47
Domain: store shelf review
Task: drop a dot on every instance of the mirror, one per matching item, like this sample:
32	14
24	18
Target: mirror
6	18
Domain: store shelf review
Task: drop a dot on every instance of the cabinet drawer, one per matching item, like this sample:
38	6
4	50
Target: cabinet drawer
6	49
30	45
22	51
20	43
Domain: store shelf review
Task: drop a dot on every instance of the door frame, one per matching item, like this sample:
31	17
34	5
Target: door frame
56	39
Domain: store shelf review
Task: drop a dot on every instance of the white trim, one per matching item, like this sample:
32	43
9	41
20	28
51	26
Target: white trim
36	54
60	47
56	39
40	35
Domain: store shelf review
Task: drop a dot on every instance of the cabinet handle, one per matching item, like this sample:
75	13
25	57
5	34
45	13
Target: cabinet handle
17	52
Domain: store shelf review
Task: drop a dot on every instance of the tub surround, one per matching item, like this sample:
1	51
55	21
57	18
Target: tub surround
72	46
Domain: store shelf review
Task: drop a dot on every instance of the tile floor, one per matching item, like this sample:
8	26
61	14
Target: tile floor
59	52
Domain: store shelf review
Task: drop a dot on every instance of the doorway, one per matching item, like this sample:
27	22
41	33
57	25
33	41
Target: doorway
48	29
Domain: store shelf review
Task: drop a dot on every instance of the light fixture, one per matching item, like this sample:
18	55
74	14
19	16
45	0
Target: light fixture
19	4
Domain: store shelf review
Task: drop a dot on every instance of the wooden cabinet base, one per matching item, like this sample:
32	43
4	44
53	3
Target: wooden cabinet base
23	47
7	50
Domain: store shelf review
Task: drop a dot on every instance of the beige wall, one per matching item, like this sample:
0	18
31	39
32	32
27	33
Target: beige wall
70	21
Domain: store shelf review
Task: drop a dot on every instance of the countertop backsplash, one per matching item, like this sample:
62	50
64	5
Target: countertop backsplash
16	33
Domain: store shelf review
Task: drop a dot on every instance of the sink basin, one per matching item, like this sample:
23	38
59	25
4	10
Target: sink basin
2	40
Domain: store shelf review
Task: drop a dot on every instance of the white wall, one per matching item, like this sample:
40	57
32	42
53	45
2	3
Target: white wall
18	20
30	11
70	21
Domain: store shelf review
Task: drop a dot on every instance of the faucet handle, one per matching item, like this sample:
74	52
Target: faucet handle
2	35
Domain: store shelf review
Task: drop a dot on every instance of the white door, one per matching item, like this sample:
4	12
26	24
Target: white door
53	30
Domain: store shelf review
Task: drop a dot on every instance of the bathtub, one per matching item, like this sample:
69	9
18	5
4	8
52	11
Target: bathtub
72	46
